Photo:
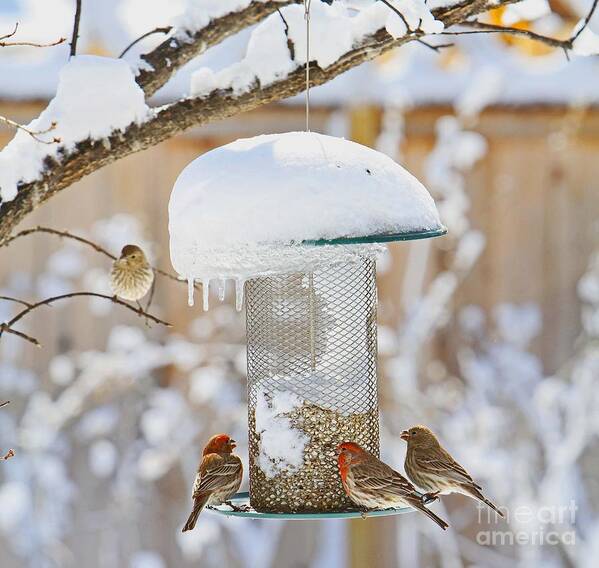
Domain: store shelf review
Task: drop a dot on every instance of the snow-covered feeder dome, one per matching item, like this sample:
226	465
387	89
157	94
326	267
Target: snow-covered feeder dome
235	211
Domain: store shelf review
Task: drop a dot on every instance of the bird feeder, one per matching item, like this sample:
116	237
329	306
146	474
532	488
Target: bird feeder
297	220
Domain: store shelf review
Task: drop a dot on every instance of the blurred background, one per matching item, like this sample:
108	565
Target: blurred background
488	335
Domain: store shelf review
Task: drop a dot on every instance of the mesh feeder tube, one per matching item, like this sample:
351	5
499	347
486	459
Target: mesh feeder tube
312	335
299	217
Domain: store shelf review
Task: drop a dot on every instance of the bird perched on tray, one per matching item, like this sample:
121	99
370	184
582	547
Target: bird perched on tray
372	484
131	276
218	478
431	467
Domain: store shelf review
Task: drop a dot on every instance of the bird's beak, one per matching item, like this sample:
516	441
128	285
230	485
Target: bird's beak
405	435
233	444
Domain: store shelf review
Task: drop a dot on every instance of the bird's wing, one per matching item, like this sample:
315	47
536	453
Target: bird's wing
215	472
441	463
382	478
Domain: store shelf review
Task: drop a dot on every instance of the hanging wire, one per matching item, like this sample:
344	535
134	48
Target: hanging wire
307	4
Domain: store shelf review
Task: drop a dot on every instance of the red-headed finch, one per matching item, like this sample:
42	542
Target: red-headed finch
431	467
219	476
372	484
131	276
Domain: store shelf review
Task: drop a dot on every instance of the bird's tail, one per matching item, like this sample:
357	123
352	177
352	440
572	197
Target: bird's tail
431	515
478	495
198	505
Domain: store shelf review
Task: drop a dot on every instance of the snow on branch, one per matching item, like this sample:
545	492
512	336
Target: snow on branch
191	39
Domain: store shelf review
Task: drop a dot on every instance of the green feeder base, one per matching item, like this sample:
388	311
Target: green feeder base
242	508
381	238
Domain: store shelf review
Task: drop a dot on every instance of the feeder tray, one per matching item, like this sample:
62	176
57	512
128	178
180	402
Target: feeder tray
308	210
241	502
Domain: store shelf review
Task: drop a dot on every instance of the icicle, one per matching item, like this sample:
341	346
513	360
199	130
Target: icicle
222	288
205	293
190	290
239	286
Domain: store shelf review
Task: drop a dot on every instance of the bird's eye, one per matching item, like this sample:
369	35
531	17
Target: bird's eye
413	432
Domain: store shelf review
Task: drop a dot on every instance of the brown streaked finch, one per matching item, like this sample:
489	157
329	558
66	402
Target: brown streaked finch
218	478
131	276
431	467
372	484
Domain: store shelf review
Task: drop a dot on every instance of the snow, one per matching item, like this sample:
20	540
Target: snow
95	96
196	15
244	208
333	32
587	43
526	10
281	445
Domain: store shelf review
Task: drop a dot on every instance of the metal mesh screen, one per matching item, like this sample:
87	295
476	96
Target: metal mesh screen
313	335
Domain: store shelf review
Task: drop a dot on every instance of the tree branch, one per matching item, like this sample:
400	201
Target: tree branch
75	36
163	30
565	44
170	120
160	65
7	326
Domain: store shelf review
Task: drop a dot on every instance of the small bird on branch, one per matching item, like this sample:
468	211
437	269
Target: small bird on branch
431	467
219	476
131	277
372	484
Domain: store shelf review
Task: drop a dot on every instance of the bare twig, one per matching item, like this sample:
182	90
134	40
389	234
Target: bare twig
7	326
16	300
82	240
30	43
586	21
75	35
290	45
11	33
438	47
2	404
163	30
565	44
33	133
403	18
4	327
8	455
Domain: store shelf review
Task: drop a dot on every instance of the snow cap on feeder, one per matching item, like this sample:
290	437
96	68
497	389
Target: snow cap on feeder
256	207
